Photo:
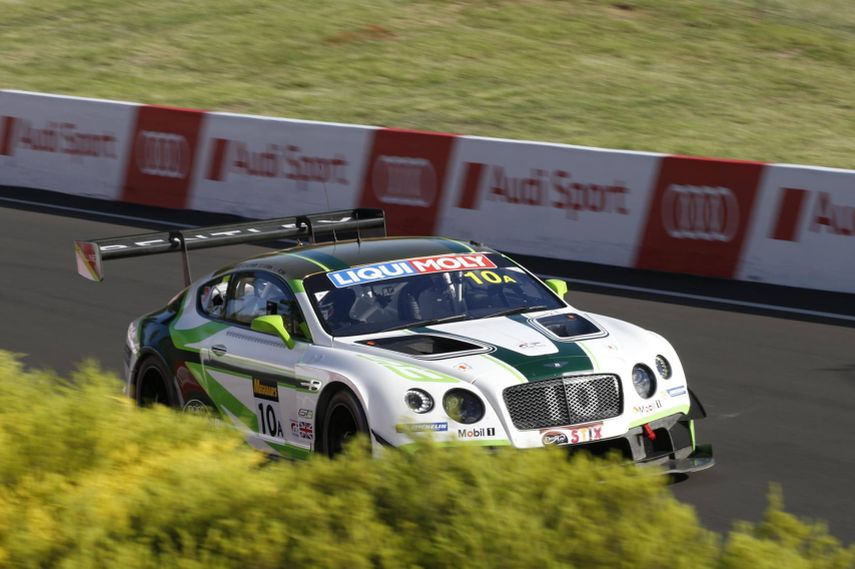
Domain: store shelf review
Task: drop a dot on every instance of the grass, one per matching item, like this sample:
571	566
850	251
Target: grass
752	79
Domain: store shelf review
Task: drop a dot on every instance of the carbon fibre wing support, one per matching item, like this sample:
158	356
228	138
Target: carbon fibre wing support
316	227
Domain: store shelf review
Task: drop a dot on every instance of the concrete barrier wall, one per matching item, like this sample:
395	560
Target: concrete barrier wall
772	223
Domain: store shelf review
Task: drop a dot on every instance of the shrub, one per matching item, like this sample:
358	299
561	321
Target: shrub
91	481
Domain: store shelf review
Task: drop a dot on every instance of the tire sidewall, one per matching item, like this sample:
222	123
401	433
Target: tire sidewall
347	400
148	364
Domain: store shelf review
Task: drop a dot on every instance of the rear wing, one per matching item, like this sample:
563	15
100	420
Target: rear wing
317	227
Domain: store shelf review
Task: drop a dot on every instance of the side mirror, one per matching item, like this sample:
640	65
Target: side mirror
558	286
273	324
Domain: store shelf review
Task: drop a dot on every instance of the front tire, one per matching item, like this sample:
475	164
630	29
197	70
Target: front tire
151	384
343	420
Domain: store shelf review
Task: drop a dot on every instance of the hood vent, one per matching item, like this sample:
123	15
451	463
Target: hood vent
566	326
425	345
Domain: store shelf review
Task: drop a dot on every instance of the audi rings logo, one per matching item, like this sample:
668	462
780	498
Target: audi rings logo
703	213
163	154
403	180
581	398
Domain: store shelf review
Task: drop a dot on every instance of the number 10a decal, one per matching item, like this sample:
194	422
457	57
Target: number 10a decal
490	277
267	398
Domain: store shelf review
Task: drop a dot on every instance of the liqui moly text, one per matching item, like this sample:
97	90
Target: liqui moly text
396	269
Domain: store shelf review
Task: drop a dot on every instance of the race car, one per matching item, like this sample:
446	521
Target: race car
354	332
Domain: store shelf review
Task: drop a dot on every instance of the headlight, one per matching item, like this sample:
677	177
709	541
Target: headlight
663	367
131	338
643	381
463	406
419	401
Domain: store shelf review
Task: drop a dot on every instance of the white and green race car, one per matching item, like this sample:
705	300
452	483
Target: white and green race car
304	347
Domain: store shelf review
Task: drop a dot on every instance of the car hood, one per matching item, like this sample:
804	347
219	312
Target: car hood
507	350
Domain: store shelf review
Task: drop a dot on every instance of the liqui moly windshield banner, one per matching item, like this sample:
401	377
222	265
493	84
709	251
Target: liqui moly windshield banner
780	224
406	267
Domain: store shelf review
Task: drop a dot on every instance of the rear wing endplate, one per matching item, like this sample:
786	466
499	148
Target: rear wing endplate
314	228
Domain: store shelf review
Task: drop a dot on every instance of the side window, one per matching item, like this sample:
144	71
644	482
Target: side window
257	294
212	296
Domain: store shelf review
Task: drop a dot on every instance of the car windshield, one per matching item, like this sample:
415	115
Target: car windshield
425	291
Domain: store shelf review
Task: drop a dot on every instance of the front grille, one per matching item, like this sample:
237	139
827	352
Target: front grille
564	401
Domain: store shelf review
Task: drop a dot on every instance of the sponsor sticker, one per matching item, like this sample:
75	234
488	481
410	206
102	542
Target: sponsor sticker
306	413
677	391
483	432
554	438
396	269
196	407
265	389
421	427
575	435
648	407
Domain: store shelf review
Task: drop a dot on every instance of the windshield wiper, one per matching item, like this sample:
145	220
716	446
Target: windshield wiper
516	310
428	322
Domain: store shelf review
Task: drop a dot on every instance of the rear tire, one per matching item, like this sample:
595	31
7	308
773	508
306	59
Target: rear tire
151	385
343	420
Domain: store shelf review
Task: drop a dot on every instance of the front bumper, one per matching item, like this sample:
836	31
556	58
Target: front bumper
700	459
667	443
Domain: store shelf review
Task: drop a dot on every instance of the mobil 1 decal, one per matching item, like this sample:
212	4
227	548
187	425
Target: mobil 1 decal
396	269
266	394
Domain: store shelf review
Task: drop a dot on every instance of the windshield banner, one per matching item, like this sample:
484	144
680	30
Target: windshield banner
397	269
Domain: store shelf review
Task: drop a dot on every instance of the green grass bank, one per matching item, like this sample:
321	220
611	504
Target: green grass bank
752	79
90	481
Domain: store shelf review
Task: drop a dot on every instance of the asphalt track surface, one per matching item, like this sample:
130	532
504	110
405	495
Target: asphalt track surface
779	390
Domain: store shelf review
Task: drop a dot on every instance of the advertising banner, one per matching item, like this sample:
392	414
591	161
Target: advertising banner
804	229
548	200
261	167
406	176
64	144
699	216
771	223
162	158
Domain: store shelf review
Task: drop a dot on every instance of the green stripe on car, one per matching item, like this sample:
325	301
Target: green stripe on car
410	371
325	260
222	398
512	370
570	358
313	261
183	337
291	451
